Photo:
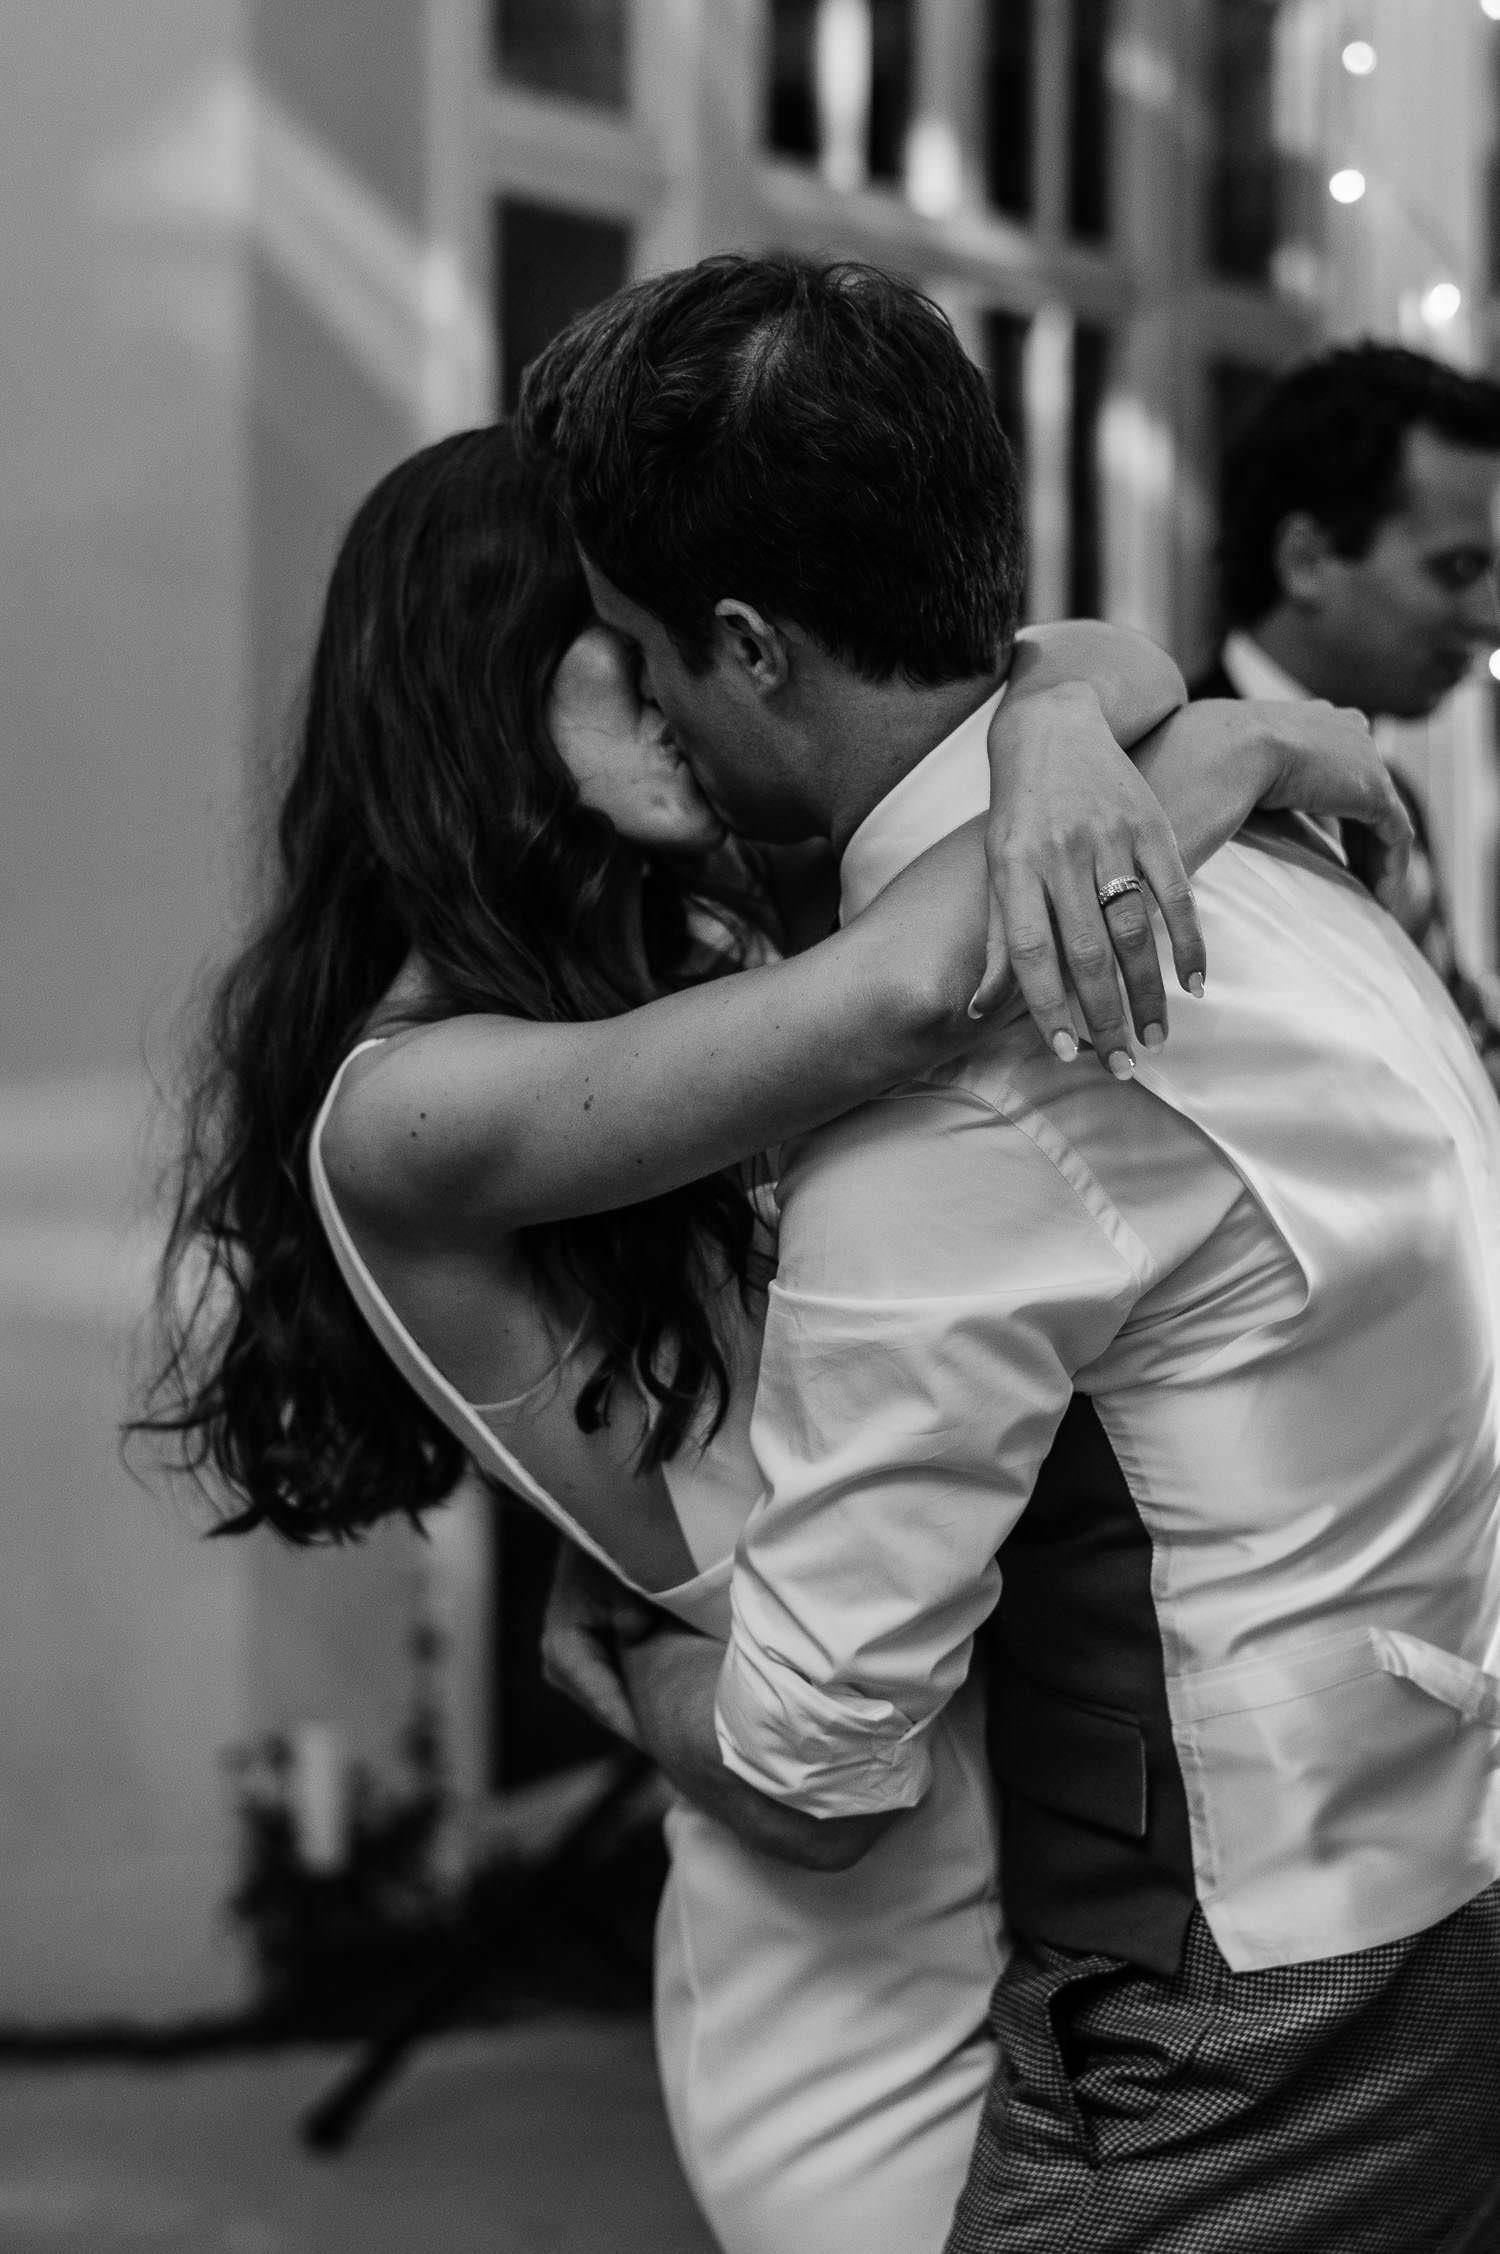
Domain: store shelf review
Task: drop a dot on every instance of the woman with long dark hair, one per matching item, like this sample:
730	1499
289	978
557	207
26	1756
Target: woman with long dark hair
477	1103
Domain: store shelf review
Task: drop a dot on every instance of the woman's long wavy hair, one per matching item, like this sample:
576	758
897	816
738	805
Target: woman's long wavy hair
426	814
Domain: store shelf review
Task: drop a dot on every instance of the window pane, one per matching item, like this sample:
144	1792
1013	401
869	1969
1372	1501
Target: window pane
1009	105
1005	337
1492	167
1235	389
575	47
1091	356
552	264
891	88
1089	122
1243	190
792	113
840	89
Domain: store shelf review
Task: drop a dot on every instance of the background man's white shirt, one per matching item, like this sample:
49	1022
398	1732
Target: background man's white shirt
1256	675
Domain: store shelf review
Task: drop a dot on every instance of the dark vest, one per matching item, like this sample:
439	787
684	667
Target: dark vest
1095	1847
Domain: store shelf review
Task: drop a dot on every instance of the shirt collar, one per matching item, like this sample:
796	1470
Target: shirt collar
1255	675
940	793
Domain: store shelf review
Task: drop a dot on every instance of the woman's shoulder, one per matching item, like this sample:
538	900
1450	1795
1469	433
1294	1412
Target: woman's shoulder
402	1111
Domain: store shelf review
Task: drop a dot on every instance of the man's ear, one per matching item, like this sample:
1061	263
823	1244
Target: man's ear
750	643
1301	553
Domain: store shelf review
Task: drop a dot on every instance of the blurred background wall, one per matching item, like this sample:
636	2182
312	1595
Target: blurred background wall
253	251
214	230
124	585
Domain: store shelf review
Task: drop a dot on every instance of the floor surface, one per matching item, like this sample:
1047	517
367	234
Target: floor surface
545	2138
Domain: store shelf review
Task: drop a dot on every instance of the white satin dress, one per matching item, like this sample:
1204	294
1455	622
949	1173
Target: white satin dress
821	2036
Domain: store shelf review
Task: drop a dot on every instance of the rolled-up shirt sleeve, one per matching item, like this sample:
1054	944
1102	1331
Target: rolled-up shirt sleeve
944	1274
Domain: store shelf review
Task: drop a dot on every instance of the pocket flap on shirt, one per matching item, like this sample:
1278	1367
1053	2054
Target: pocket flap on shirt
1329	1664
1458	1683
1081	1761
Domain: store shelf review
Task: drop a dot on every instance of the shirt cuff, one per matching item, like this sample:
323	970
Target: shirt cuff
827	1754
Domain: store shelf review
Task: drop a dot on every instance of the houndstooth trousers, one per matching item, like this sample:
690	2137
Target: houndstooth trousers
1346	2107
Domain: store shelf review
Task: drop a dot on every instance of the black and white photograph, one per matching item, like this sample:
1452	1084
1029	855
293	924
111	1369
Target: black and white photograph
750	1127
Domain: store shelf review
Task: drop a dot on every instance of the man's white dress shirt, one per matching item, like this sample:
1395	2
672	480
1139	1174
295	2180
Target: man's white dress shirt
1271	1263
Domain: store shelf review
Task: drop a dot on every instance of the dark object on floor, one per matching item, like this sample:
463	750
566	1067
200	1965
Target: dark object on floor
510	1900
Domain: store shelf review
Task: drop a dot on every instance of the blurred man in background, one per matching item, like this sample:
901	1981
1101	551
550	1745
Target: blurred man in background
1357	561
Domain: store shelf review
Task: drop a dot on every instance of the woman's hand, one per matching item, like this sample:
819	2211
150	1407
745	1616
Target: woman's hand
590	1615
1321	760
1214	764
1068	814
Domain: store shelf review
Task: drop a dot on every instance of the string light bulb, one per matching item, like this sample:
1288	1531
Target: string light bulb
1491	8
1442	304
1359	57
1349	185
1495	665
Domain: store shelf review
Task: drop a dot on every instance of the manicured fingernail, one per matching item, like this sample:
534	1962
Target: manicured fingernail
1195	985
1064	1047
1155	1036
1122	1064
974	1010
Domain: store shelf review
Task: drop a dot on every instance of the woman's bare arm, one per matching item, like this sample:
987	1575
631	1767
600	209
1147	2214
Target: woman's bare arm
490	1124
1308	757
494	1123
1136	685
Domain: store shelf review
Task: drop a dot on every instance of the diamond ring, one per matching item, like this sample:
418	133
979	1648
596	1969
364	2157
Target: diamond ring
1117	888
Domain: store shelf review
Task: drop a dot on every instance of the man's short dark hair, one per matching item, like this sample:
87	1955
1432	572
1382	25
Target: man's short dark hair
1329	439
809	437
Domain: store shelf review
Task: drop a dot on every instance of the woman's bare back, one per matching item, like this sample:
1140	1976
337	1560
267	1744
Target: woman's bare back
473	1310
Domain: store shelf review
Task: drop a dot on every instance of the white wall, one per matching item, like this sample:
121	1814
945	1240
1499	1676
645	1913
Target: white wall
184	424
122	1639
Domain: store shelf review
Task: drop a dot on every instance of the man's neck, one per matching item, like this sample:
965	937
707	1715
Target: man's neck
1292	643
878	731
